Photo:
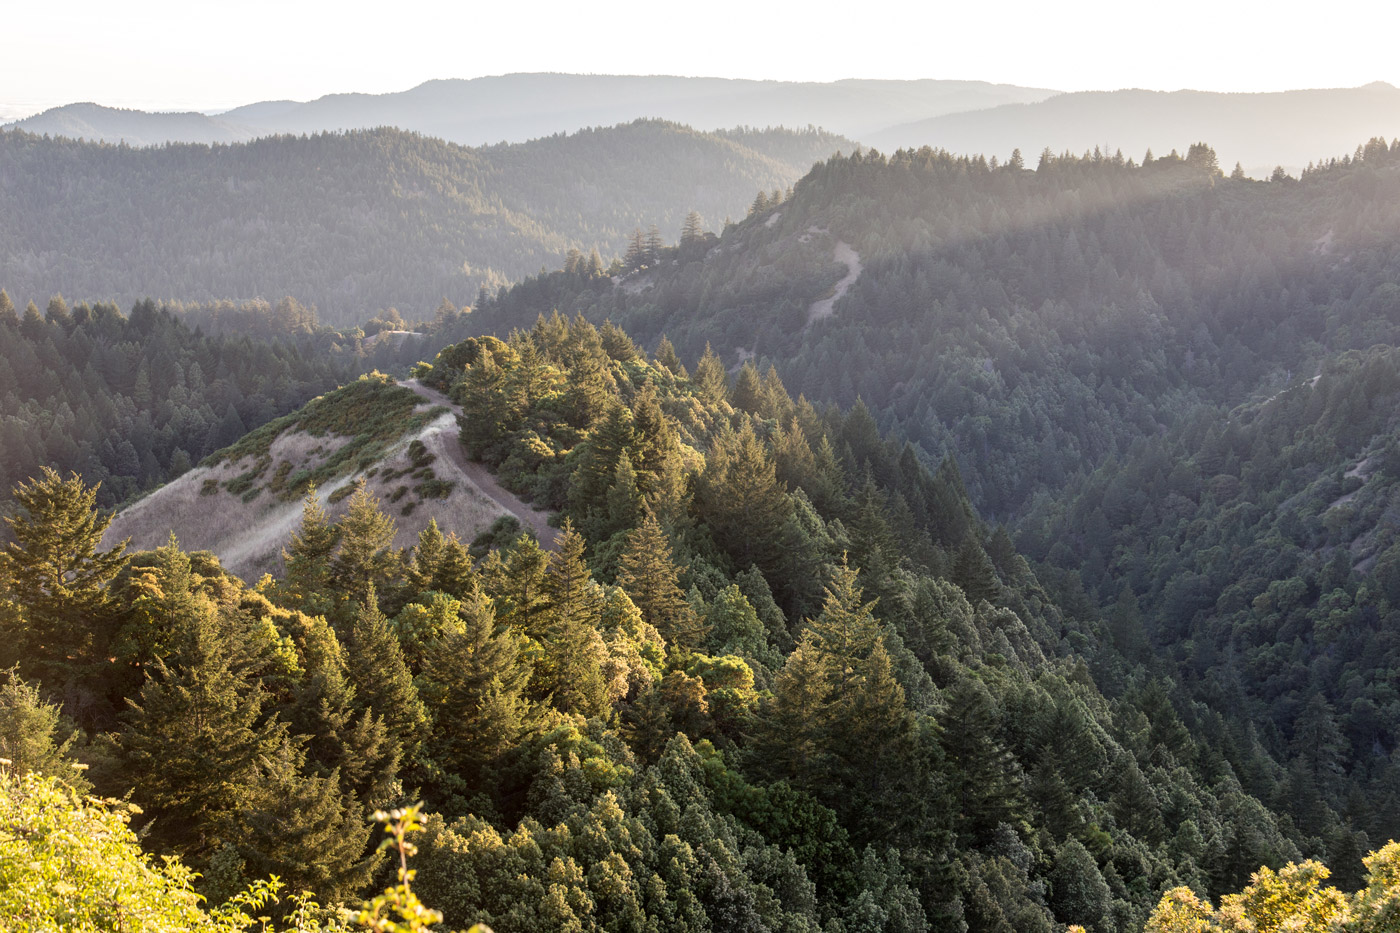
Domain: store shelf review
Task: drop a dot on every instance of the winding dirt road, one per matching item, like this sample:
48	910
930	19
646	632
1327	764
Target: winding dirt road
534	519
826	307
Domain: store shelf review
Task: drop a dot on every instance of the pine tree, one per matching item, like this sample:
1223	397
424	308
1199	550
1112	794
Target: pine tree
517	585
193	742
29	735
651	578
9	317
740	498
341	736
307	558
693	231
985	778
570	672
838	725
475	688
301	828
383	684
710	378
363	558
653	442
426	559
747	392
667	359
57	592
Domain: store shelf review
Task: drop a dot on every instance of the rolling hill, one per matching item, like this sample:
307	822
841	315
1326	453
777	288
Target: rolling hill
362	221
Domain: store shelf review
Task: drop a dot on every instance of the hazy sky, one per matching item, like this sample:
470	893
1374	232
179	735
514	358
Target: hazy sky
208	55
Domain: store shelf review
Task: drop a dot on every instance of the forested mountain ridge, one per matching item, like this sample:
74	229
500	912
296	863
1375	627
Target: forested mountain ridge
95	123
363	221
1031	321
860	711
521	107
1284	128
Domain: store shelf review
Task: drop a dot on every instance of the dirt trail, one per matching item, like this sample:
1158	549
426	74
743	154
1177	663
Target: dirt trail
843	253
531	518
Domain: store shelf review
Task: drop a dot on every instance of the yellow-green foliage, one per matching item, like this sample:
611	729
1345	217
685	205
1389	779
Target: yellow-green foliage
1291	900
72	863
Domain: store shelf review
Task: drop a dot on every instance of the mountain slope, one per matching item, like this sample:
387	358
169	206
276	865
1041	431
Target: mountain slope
1260	131
358	222
243	503
1031	323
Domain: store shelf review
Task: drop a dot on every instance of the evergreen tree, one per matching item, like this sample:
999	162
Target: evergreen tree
747	391
363	559
651	578
985	778
193	742
741	500
570	671
307	557
61	618
341	737
9	317
838	726
475	691
667	359
383	684
710	378
30	730
302	829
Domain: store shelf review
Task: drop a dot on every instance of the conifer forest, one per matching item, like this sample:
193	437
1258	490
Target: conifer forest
647	528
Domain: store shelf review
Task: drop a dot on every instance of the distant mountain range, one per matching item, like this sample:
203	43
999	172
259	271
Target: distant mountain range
365	220
1260	131
520	107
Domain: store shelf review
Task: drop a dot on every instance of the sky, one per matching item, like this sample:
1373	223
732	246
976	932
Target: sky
210	56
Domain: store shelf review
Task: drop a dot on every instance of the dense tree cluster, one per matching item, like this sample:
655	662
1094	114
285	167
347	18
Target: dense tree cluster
854	708
1251	551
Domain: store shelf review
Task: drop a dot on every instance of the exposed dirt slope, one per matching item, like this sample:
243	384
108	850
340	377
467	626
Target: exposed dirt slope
248	531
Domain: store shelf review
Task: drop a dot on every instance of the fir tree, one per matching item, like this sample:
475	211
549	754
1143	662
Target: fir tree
383	684
570	671
307	557
57	592
363	559
475	690
710	378
667	359
30	733
193	742
651	578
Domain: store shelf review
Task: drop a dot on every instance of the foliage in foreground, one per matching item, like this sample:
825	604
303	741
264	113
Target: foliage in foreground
1292	899
69	862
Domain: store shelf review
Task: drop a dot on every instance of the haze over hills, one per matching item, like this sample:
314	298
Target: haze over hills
96	123
357	222
521	107
1260	131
